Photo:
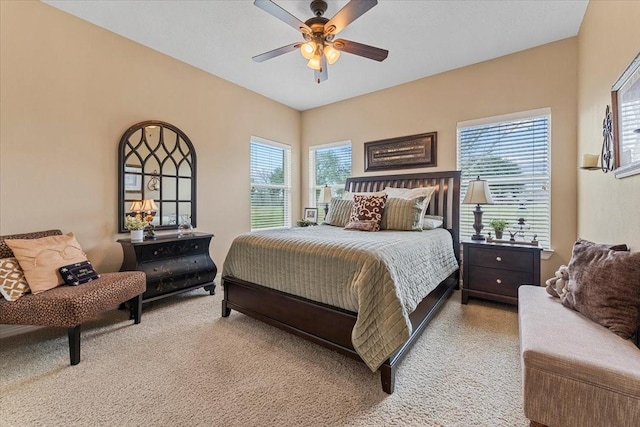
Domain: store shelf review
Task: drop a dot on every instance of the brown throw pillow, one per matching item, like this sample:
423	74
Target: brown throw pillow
368	208
41	258
604	285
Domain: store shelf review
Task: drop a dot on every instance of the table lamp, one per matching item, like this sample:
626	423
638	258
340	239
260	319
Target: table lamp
478	194
325	197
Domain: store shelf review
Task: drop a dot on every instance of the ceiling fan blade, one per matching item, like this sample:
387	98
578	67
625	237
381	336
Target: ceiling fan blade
360	49
352	11
322	74
275	10
276	52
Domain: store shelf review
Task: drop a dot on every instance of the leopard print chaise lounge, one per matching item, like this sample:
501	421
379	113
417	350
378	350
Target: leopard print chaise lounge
70	306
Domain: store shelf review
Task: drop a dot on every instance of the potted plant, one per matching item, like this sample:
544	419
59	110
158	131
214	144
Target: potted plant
136	225
498	226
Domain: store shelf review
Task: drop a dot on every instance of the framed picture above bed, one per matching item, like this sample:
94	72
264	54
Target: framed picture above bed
413	151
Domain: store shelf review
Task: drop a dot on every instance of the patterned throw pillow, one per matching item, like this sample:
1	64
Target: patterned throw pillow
78	273
13	284
402	214
366	225
41	258
339	212
367	208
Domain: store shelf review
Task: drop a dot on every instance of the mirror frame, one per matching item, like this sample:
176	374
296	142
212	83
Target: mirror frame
177	156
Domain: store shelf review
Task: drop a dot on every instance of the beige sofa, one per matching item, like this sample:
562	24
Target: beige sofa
574	371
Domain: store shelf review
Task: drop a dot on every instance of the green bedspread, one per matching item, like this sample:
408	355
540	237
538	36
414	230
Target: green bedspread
382	275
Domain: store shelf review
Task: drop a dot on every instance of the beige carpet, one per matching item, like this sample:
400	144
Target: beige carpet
184	365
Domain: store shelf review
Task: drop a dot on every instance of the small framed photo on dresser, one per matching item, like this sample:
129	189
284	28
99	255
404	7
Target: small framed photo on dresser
311	215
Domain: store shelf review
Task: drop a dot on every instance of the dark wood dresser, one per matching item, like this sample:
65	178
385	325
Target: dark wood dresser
172	263
494	271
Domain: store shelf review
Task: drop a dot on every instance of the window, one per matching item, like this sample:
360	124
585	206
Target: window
512	153
330	165
270	184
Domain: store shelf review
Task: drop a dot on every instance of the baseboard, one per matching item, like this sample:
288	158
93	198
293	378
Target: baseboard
10	330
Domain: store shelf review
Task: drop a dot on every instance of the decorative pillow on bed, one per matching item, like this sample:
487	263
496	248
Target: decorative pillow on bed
349	195
365	225
41	258
604	285
402	214
366	208
339	212
13	284
430	222
412	193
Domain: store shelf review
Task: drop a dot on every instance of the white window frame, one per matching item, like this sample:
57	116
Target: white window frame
312	186
466	210
287	179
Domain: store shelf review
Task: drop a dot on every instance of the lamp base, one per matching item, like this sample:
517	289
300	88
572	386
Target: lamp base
477	223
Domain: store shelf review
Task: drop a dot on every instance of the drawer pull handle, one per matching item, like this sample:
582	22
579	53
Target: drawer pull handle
498	259
155	252
498	281
195	246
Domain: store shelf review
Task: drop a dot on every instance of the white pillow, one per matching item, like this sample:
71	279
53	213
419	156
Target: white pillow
349	196
429	222
412	193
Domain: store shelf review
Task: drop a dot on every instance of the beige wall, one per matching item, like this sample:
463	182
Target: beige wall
540	77
69	91
609	39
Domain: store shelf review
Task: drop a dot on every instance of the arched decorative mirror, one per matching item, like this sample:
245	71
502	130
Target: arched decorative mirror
157	165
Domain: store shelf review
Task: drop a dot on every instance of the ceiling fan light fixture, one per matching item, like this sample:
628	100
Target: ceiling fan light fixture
308	49
332	54
314	62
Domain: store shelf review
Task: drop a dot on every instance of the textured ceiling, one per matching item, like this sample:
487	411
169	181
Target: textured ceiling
424	37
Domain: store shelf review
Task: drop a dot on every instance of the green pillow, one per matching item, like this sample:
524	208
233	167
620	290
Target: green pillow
339	212
402	214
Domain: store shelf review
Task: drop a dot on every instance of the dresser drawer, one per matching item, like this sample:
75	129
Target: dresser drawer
150	253
500	258
496	281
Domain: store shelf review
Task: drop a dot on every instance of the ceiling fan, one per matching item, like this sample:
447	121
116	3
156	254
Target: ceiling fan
319	33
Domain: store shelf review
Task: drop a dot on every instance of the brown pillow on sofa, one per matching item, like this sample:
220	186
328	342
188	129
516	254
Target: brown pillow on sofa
604	285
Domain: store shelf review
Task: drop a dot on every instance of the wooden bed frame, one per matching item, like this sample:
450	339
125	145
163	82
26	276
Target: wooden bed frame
331	326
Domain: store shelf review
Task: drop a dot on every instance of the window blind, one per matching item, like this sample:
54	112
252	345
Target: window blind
513	156
328	165
270	185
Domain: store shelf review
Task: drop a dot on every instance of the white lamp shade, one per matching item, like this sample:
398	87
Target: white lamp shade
136	206
478	193
325	195
148	205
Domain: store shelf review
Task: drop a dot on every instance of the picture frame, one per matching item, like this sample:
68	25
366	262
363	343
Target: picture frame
625	103
311	215
132	179
405	152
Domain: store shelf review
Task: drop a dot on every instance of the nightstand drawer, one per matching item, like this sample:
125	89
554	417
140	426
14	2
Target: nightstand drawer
503	259
495	281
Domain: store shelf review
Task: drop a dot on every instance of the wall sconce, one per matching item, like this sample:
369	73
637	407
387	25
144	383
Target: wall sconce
154	181
478	194
590	161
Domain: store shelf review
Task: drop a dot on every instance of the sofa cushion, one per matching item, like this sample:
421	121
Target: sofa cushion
604	285
41	258
70	306
558	340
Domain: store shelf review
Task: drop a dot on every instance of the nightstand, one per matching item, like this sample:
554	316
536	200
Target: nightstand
172	263
495	271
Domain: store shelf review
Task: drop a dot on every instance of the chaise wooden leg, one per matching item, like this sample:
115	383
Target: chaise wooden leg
136	309
74	344
211	288
388	377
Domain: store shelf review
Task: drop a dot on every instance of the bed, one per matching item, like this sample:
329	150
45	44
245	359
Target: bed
330	318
